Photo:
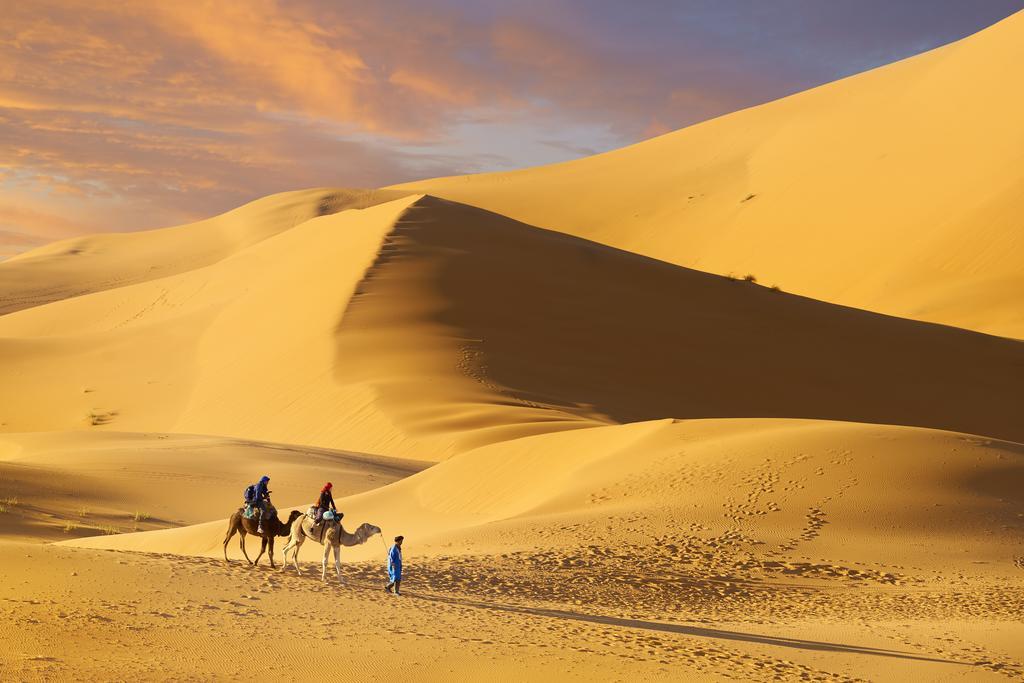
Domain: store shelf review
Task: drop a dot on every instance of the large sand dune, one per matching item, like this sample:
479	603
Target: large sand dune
793	487
899	190
638	468
73	484
81	265
730	531
422	326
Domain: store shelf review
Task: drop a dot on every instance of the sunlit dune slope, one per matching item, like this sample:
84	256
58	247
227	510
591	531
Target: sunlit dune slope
899	190
71	484
81	265
856	496
243	347
422	327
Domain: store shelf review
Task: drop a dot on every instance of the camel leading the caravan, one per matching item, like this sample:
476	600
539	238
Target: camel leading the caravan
334	536
272	527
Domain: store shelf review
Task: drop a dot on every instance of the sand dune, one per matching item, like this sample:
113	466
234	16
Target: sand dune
81	265
781	489
72	484
412	328
897	190
639	468
771	525
244	347
542	320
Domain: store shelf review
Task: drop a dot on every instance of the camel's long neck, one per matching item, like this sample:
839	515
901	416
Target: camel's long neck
348	539
286	527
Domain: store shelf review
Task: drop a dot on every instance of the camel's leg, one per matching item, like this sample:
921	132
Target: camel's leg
241	543
263	549
337	561
284	551
299	539
327	551
271	551
286	548
232	530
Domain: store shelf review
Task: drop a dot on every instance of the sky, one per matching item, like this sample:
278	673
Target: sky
121	115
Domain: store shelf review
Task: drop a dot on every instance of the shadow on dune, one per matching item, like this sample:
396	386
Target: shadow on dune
358	581
680	629
543	319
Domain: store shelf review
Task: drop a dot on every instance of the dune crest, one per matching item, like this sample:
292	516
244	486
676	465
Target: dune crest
897	190
423	327
82	265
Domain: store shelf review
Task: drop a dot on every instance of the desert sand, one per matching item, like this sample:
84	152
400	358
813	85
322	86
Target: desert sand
612	456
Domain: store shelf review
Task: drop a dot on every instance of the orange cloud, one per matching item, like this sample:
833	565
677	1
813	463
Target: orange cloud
185	109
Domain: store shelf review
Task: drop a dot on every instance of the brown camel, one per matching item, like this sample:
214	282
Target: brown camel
272	526
334	537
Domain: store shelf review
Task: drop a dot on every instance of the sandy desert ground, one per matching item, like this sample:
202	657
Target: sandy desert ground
613	456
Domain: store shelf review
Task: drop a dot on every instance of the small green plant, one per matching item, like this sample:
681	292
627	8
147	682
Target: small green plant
749	277
775	288
3	508
70	526
83	511
730	277
110	530
7	503
141	516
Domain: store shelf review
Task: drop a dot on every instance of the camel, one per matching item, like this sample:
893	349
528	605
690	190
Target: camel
272	526
334	537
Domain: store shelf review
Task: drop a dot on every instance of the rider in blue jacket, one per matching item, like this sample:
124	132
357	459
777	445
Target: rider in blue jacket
262	498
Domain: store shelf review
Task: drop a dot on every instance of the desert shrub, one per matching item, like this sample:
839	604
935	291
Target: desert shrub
97	417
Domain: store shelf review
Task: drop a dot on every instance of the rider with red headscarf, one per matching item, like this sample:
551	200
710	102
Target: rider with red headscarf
325	502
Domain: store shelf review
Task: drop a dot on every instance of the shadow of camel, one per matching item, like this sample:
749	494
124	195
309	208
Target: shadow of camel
695	631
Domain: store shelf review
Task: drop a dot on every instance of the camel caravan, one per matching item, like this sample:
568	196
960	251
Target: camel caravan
320	523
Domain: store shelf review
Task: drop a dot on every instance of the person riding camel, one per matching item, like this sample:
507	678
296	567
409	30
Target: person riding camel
262	498
325	502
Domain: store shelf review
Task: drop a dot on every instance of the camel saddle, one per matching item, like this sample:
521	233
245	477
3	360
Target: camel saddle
249	511
318	529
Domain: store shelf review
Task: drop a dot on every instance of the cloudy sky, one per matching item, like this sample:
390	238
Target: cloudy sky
119	115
